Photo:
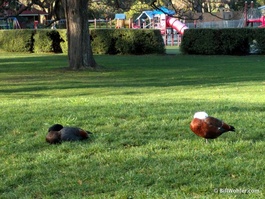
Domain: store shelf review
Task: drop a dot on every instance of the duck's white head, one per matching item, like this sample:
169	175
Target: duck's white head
200	115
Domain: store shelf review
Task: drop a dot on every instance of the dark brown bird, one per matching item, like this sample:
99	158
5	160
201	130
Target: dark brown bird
208	127
57	134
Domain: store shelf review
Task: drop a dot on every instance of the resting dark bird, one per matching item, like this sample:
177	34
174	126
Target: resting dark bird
57	134
208	127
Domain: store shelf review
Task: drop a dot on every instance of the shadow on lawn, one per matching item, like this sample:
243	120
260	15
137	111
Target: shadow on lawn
120	82
40	73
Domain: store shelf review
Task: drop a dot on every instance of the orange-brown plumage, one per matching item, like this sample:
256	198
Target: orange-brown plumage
53	137
208	127
83	133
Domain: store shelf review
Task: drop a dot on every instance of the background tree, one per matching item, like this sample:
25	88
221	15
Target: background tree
136	9
80	54
79	45
194	9
261	2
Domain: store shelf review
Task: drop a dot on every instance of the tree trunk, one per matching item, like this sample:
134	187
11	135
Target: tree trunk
79	45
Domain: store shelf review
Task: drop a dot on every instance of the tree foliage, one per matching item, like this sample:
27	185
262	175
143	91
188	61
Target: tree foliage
54	7
261	2
137	9
194	9
107	8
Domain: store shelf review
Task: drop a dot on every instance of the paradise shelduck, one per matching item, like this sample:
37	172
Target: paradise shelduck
208	127
57	134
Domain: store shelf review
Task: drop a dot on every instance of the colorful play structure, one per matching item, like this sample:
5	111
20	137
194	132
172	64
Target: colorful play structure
253	15
160	19
9	23
157	19
172	28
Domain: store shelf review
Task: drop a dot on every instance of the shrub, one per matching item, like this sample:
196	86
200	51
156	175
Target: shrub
127	41
139	42
233	41
47	41
200	41
222	41
63	40
102	41
258	36
16	40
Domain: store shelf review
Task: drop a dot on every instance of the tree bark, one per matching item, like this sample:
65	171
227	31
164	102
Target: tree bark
80	54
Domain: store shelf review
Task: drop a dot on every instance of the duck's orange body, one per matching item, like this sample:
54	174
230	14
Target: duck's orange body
208	127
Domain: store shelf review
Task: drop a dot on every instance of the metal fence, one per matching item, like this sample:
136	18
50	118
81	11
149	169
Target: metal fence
220	24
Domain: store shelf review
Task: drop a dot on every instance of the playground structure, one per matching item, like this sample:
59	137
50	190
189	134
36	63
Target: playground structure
160	19
122	22
9	23
171	28
254	15
176	24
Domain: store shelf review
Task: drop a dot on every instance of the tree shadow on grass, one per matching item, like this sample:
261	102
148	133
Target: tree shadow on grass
136	71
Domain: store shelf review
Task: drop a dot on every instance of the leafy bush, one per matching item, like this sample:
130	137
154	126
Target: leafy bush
200	41
222	41
258	36
139	42
233	41
63	40
16	40
136	9
47	41
102	41
127	41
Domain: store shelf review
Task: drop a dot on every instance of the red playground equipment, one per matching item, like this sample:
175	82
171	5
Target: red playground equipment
249	17
260	20
171	22
160	19
176	24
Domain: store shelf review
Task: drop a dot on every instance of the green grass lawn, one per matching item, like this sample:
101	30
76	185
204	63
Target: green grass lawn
139	109
172	50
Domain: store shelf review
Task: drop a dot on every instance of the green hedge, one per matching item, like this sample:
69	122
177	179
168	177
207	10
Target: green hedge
240	41
47	41
30	41
63	40
103	41
223	41
127	41
139	42
16	40
258	37
233	42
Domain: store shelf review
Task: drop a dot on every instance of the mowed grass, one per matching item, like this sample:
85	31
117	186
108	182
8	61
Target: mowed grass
139	109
